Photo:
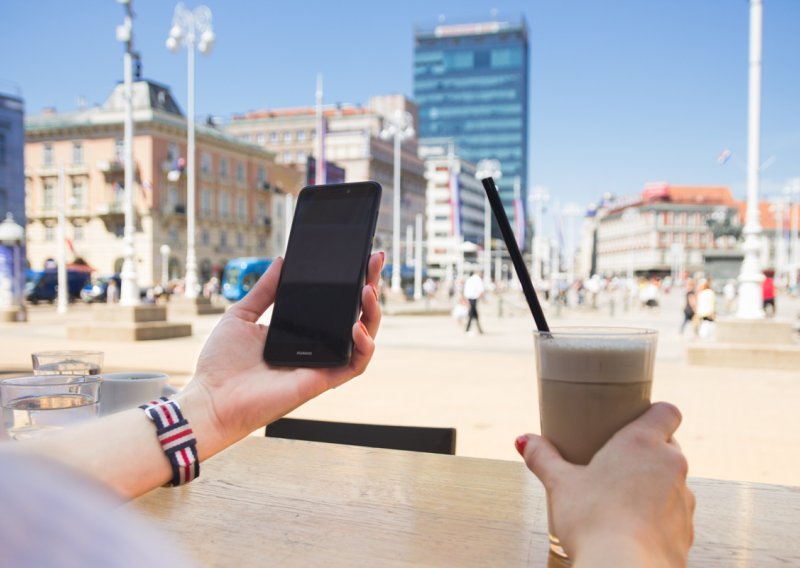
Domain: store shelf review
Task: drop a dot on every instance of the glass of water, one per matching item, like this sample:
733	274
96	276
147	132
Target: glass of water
67	362
35	405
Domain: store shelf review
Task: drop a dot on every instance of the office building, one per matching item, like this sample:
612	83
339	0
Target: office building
471	84
12	145
73	160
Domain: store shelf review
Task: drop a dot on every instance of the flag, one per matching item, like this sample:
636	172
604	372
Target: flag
455	203
723	157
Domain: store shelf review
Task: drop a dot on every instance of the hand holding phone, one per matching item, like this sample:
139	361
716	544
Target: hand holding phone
318	297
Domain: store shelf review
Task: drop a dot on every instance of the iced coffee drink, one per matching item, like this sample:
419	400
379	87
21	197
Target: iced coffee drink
592	382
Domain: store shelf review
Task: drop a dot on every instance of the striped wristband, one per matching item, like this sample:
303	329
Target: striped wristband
176	439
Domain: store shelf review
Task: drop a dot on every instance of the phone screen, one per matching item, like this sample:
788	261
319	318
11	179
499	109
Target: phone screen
318	298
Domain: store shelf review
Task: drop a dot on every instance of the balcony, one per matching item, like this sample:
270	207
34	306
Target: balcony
110	166
170	209
112	208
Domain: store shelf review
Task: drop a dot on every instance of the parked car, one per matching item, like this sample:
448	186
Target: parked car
97	290
43	285
240	276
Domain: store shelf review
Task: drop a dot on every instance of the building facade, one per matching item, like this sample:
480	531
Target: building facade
352	141
74	160
471	84
454	212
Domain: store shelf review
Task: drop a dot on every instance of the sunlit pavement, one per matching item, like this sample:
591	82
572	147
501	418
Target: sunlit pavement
738	423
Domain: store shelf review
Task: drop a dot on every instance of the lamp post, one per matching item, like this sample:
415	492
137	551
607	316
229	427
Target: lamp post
539	196
165	252
487	168
750	278
400	127
571	211
190	28
129	294
12	235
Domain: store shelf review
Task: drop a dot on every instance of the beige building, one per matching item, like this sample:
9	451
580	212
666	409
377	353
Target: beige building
240	190
352	141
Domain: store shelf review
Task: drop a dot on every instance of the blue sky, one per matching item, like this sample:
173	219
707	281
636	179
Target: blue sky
622	91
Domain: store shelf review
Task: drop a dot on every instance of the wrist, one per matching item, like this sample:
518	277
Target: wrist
198	409
619	548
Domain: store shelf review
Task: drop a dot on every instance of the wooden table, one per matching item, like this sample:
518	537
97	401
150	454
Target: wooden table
271	502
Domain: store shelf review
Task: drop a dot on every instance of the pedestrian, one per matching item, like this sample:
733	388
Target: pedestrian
473	290
112	291
706	310
768	292
690	305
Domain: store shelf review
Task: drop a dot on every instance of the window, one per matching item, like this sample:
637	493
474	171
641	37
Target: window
224	204
240	173
173	234
223	238
273	137
78	199
262	177
223	168
301	135
47	155
204	237
241	208
119	149
261	207
172	153
77	232
77	153
260	139
49	233
247	138
48	195
240	240
205	202
205	164
287	157
301	157
2	148
287	137
172	197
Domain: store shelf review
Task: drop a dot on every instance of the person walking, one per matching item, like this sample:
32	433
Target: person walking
690	304
706	310
473	290
768	292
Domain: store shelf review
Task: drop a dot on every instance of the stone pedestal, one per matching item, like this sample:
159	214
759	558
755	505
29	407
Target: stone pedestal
113	322
182	307
756	344
14	314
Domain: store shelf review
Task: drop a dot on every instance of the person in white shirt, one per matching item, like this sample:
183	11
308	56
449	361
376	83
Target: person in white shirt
473	290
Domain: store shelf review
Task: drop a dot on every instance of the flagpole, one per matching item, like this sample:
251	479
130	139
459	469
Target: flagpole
61	247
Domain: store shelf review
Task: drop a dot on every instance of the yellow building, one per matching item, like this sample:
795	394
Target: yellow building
240	199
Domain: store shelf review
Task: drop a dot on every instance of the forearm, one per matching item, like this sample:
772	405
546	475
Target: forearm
122	450
620	550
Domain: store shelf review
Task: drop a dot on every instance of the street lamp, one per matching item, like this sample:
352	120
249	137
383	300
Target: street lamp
571	211
539	196
190	27
129	294
487	168
165	252
400	127
12	235
750	278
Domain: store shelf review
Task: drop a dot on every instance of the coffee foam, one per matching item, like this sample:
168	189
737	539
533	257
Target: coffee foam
594	359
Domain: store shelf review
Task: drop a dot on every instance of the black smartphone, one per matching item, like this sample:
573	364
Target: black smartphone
325	267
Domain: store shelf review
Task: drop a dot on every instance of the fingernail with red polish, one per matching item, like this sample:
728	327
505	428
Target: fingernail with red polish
520	444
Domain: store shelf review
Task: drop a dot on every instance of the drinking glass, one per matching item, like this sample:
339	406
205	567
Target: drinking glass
67	362
39	404
592	382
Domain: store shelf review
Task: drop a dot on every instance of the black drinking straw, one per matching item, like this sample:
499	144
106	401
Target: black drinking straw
516	257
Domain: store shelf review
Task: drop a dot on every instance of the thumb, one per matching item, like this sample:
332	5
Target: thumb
542	458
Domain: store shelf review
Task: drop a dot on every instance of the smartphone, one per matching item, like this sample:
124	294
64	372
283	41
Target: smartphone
325	267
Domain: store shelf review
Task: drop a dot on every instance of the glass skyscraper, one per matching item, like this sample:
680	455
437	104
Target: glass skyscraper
471	84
